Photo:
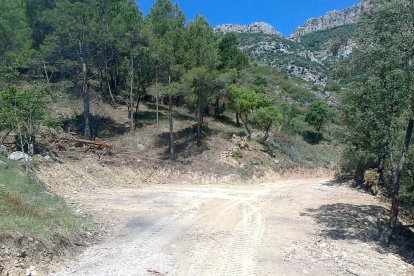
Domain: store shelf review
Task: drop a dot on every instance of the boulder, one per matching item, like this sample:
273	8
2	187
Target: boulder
19	156
3	151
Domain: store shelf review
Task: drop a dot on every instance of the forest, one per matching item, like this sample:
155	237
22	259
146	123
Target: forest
109	48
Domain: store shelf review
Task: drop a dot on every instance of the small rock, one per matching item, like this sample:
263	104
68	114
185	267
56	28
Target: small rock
46	193
31	271
22	254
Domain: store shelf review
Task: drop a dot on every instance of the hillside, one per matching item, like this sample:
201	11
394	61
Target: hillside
311	51
141	142
333	19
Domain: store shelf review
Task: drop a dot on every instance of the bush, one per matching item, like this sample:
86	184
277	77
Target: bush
333	87
371	181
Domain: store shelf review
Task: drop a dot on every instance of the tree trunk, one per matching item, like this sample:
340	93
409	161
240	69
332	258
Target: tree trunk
46	73
137	105
172	154
237	119
131	95
217	107
266	136
245	124
86	109
199	123
156	102
387	235
381	170
109	85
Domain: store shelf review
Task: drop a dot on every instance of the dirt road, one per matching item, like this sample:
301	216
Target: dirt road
293	227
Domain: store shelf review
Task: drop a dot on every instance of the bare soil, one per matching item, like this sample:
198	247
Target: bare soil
273	226
210	212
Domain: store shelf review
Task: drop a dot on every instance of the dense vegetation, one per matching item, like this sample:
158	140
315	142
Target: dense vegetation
316	41
378	110
109	46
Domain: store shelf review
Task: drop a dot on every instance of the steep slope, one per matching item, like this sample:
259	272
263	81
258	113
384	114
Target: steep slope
333	19
284	55
312	49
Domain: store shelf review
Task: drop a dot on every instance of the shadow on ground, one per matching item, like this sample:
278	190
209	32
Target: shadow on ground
185	142
102	127
364	223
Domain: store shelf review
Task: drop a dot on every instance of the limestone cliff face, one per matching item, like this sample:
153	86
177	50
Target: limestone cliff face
333	19
255	27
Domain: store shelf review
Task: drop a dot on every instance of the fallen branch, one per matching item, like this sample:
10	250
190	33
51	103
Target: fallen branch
100	144
350	271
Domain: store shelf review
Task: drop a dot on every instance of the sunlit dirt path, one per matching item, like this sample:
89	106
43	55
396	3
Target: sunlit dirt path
291	227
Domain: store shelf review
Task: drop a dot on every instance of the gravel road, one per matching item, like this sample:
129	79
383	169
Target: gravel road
290	227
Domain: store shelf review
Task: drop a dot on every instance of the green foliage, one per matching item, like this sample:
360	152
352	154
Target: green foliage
297	93
237	153
230	56
22	108
244	101
265	118
378	111
15	34
318	114
333	87
200	44
315	40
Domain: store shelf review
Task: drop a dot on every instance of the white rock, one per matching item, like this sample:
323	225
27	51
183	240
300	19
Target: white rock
19	156
333	19
255	27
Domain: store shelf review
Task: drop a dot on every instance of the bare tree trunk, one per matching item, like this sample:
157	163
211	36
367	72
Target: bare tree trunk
396	182
131	95
244	120
172	154
157	104
139	98
237	119
109	85
86	109
199	123
46	73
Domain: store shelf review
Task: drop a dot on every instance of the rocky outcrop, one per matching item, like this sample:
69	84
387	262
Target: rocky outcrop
255	27
333	19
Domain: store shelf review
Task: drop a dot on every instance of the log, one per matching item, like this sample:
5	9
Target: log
101	144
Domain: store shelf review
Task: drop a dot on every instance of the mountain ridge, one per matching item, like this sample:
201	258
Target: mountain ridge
255	27
327	21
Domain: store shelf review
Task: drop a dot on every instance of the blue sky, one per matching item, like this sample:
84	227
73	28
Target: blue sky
284	15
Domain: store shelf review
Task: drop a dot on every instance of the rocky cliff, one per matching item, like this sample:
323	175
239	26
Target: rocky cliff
333	19
255	27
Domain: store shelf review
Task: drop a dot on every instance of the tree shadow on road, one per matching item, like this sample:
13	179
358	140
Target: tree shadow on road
364	223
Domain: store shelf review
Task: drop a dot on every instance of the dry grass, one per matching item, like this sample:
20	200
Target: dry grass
28	209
